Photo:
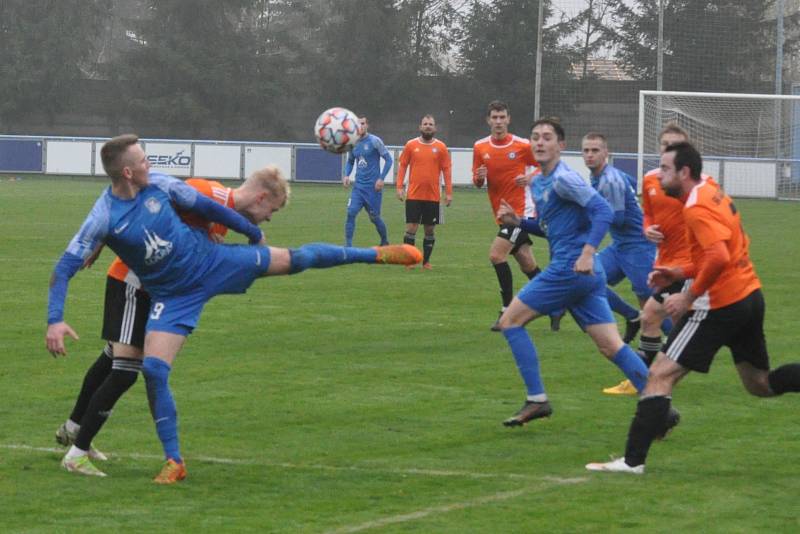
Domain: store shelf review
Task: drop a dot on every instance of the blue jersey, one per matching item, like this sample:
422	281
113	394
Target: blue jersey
566	211
147	234
366	156
626	228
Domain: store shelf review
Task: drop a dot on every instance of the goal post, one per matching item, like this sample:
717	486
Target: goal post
750	143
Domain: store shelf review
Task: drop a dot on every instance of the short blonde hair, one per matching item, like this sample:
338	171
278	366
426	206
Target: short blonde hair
270	178
112	151
673	128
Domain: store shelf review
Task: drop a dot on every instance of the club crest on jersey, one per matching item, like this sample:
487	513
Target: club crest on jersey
156	249
512	155
434	150
153	205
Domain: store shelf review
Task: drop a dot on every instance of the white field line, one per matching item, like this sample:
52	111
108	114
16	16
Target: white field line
446	508
319	467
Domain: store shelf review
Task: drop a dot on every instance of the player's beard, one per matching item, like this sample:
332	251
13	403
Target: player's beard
427	136
674	191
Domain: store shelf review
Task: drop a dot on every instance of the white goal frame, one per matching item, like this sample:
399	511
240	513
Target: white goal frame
781	164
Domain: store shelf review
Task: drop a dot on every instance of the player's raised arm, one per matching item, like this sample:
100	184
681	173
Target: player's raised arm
188	198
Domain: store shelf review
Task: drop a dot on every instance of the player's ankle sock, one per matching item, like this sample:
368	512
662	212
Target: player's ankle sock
72	426
323	255
503	271
651	414
666	326
123	375
380	226
532	274
349	230
410	239
76	452
620	306
649	345
785	379
632	365
95	376
527	360
162	405
427	248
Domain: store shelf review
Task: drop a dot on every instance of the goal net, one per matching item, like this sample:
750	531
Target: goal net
750	143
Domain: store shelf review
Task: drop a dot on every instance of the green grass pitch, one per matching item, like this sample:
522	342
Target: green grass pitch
369	398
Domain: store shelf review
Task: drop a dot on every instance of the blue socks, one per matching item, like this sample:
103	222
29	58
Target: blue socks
381	227
349	229
162	405
527	361
323	255
632	365
621	307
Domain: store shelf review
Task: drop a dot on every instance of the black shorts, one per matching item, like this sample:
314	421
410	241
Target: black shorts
515	235
125	313
701	333
423	212
676	287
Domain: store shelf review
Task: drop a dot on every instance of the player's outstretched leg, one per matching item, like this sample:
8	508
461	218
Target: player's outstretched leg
323	255
536	406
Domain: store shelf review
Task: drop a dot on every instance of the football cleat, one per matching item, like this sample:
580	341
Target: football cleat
625	387
81	465
631	329
67	439
398	255
529	411
496	326
555	321
616	466
171	473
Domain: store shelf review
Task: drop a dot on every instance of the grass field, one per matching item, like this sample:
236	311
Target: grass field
370	398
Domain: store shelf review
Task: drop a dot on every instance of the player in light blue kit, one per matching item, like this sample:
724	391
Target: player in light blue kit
368	184
179	267
574	218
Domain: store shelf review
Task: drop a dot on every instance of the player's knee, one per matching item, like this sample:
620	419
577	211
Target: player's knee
497	257
155	371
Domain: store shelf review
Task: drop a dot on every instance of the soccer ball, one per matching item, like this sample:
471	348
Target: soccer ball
337	130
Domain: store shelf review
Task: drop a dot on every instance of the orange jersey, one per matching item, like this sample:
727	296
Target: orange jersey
429	161
505	160
710	218
213	190
667	213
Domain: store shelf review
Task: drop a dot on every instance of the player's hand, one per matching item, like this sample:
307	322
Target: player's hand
88	262
585	263
653	234
55	338
216	238
479	178
401	195
523	180
661	277
448	199
678	304
506	213
346	181
378	185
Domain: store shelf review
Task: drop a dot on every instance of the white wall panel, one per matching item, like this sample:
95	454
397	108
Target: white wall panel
68	157
170	158
257	157
217	161
748	179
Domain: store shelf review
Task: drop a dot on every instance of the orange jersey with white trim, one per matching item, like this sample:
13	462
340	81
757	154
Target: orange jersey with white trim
505	160
712	217
667	212
429	162
213	190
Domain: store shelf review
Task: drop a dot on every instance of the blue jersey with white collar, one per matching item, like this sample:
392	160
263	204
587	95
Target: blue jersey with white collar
147	234
626	228
366	157
567	209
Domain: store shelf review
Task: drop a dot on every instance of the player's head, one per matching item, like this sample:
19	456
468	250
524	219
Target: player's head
547	141
594	148
427	127
671	134
363	124
681	169
498	117
262	194
124	158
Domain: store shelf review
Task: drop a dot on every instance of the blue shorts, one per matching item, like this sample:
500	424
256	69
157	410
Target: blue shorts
365	197
583	295
231	269
634	264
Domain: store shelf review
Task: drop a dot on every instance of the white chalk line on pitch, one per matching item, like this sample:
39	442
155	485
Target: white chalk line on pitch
447	508
318	467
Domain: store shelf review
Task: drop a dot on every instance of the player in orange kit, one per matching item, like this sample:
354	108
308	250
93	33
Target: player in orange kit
502	161
724	306
429	161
